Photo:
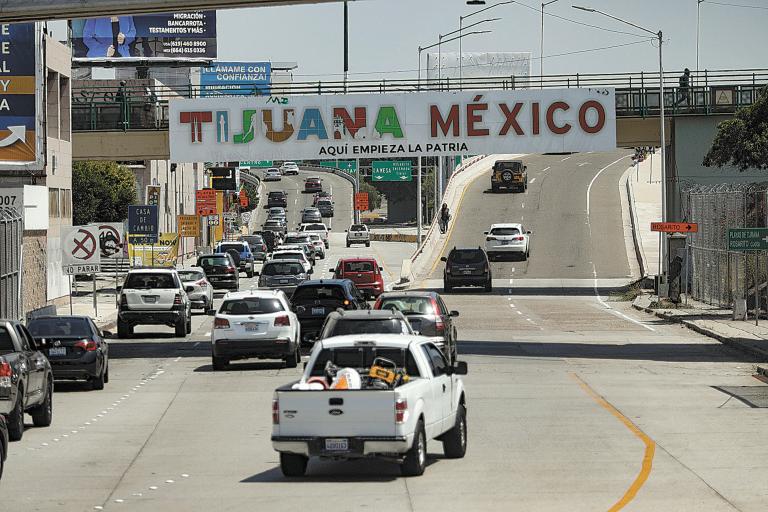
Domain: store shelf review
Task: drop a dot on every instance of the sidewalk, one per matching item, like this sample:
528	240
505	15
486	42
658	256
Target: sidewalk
106	300
644	190
714	322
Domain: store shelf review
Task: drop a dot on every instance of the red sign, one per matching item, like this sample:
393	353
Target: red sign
675	227
243	199
205	202
361	201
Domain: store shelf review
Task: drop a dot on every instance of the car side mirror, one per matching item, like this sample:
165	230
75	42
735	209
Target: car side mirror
107	334
257	273
485	232
346	230
311	271
211	312
381	269
189	289
417	333
443	258
454	313
529	232
460	368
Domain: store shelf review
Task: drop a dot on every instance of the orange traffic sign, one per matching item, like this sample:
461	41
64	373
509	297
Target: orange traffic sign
361	201
675	227
205	200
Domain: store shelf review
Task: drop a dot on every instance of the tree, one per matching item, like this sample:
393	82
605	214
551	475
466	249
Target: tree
101	192
374	196
743	140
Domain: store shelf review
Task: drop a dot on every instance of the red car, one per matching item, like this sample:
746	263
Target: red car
364	272
313	185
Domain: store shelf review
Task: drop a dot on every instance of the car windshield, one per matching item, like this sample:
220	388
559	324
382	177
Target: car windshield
250	306
282	269
505	231
272	223
315	238
289	256
211	261
319	292
229	247
150	281
357	227
409	305
190	275
314	227
514	166
324	202
361	358
62	326
295	240
466	256
375	326
358	266
254	241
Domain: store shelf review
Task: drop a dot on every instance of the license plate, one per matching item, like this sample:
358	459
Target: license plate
505	242
467	272
318	311
337	445
57	351
283	281
252	326
150	299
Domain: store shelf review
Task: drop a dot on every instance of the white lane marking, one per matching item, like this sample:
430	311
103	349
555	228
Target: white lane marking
564	159
583	164
589	188
522	205
611	310
545	169
533	179
519	312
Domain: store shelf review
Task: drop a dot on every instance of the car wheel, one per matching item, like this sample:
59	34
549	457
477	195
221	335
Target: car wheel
447	288
347	244
292	464
292	361
16	418
189	323
525	256
2	460
415	460
489	285
123	329
106	373
219	363
181	328
97	383
455	440
249	274
42	415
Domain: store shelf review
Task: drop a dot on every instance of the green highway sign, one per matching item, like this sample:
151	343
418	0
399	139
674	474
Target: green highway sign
349	166
748	239
260	164
391	170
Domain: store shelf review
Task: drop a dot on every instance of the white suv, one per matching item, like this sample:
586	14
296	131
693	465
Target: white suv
319	228
507	238
255	324
154	296
358	234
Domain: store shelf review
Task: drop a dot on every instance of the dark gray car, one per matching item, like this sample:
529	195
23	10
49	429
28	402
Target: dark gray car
427	314
283	275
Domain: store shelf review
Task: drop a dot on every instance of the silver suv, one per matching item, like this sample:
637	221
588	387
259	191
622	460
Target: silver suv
358	234
154	296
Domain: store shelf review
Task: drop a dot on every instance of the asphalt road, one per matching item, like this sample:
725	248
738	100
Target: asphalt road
576	403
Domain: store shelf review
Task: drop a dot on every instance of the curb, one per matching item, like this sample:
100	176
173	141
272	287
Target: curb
762	370
725	340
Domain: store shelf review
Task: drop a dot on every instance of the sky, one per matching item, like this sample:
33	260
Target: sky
385	35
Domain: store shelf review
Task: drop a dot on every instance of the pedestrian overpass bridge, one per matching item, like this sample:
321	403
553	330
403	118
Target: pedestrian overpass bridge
135	127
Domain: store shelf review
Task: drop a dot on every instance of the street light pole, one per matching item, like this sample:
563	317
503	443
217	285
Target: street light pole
441	41
461	23
698	16
541	46
662	148
346	44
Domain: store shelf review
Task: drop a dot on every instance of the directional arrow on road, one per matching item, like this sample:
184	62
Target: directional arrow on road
18	133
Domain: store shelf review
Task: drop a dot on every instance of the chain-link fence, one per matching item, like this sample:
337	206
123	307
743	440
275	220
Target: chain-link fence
718	276
11	233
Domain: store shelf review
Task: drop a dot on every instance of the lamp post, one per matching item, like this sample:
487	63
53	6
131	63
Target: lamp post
440	40
346	44
541	46
663	245
422	48
698	17
461	26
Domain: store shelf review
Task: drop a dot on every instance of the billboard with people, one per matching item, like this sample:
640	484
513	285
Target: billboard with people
172	36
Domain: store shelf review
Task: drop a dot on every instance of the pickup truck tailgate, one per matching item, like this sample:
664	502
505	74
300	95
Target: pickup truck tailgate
337	413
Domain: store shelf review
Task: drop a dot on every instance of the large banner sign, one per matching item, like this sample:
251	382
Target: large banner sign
174	36
21	96
394	125
235	79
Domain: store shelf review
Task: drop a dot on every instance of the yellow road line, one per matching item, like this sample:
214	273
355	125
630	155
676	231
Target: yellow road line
650	445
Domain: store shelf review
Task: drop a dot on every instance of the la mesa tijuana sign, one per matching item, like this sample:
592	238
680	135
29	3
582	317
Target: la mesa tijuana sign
377	125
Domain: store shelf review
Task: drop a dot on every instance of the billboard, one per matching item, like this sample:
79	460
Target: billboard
21	110
235	79
172	36
392	125
479	65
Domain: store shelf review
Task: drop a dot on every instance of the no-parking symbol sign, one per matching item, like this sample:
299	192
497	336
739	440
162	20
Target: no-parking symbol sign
81	251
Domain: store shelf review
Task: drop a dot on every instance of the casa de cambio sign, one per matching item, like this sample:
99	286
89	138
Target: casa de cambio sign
392	125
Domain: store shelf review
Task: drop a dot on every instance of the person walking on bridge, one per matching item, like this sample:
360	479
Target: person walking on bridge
445	216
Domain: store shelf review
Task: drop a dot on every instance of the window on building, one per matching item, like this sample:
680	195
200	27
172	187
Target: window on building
65	93
54	203
65	202
52	110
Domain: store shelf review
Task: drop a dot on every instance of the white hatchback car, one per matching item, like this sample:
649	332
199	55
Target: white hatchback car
273	175
255	324
507	238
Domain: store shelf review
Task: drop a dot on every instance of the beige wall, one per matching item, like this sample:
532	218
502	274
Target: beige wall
117	145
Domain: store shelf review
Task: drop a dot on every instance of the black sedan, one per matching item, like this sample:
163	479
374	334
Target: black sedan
75	346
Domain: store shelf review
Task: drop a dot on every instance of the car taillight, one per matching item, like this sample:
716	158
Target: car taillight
282	321
221	323
489	238
263	247
346	303
86	344
377	304
5	369
519	238
275	411
401	411
202	283
230	270
177	300
439	325
123	300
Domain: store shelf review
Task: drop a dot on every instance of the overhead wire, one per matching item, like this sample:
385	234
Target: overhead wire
743	6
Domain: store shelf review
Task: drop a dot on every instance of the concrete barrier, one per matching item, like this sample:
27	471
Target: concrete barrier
393	237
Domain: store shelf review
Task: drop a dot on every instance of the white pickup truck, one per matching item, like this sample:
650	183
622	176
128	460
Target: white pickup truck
372	421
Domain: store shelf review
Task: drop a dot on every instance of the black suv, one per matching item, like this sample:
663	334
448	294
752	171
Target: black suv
277	198
221	270
315	299
466	267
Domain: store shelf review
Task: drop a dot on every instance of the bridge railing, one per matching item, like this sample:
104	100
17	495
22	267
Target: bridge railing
109	107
